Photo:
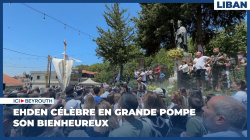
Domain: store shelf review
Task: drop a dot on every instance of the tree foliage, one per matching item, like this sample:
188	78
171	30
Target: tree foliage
155	30
230	41
115	45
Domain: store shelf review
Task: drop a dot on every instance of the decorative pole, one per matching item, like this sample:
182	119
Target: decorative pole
47	74
64	64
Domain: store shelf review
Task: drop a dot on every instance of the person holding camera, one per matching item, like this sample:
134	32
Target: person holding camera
217	63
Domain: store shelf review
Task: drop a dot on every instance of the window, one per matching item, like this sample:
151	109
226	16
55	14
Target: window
56	77
38	77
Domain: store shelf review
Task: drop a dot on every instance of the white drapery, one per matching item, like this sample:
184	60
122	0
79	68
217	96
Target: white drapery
58	66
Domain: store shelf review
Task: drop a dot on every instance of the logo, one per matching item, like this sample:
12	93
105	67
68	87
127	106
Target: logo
231	5
26	100
16	101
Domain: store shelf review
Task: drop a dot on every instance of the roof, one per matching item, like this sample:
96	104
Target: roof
89	72
89	82
21	76
11	81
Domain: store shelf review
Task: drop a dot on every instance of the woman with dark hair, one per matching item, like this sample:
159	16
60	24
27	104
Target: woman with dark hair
196	94
178	122
240	95
194	126
158	123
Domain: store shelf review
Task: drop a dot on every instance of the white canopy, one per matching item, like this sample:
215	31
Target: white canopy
89	82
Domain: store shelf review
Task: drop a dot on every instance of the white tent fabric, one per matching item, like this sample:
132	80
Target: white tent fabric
89	82
58	66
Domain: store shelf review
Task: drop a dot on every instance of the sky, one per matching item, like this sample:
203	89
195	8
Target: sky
25	31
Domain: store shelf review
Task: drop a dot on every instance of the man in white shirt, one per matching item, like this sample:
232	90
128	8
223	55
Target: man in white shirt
143	79
200	62
184	78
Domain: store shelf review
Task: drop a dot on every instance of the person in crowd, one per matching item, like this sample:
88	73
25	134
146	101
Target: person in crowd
69	93
183	92
158	123
143	76
239	86
196	94
200	63
38	131
217	63
124	87
157	72
101	92
244	63
113	85
35	93
112	121
131	127
208	97
96	96
106	93
150	75
224	116
89	102
194	126
136	73
184	78
178	122
139	79
117	97
110	98
7	121
45	92
162	78
228	65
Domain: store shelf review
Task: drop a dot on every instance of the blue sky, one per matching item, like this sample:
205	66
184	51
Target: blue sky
25	31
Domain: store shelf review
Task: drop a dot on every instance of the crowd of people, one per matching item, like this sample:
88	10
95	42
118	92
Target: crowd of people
216	68
208	72
216	115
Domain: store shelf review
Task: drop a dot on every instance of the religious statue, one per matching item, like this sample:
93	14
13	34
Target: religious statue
181	37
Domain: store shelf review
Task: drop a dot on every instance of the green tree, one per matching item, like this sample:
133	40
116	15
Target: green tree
82	67
156	31
202	20
98	67
115	45
230	42
106	73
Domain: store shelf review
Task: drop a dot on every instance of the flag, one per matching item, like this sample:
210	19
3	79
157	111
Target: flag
200	49
71	58
118	76
58	66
